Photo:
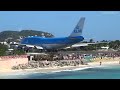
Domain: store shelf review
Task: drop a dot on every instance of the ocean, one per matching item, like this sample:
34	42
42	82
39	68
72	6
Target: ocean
105	72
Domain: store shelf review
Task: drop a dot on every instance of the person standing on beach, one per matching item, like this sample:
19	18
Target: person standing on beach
113	57
100	63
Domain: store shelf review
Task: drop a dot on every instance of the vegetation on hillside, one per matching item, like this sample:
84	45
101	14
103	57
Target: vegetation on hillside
14	35
3	49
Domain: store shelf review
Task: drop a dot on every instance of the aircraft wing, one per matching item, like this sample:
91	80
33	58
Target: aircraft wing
38	47
79	45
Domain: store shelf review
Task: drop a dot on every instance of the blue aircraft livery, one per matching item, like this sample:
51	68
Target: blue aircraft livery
57	43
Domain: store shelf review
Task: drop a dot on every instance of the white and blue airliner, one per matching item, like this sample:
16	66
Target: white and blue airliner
57	43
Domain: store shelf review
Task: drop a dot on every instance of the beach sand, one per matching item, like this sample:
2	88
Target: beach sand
95	63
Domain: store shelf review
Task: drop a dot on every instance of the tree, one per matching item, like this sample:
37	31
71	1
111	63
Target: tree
3	49
18	52
114	44
91	40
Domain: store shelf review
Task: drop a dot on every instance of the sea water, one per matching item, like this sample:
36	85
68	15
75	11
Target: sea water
103	72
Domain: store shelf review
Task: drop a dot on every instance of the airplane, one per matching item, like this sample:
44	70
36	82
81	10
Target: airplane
57	43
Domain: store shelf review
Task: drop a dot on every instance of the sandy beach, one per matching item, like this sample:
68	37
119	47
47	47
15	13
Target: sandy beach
44	70
95	63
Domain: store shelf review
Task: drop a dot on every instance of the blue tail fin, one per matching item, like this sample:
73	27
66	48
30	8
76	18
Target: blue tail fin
78	29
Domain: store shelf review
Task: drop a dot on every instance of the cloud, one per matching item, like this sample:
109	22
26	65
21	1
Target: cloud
110	12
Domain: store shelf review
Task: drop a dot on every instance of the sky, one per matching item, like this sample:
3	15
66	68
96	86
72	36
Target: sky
99	25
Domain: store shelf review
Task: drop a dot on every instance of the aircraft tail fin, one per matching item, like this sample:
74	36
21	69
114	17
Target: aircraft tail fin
78	29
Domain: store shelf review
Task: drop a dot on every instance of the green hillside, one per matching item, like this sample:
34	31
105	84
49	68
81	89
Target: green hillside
14	35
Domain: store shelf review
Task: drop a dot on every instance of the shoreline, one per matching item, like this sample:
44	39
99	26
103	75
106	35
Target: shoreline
93	64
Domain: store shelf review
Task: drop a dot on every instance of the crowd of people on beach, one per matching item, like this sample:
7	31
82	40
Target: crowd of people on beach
72	56
72	59
76	56
107	55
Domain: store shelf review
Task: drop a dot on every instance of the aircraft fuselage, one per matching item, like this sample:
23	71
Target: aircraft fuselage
52	43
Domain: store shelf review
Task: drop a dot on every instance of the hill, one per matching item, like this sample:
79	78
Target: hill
16	35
